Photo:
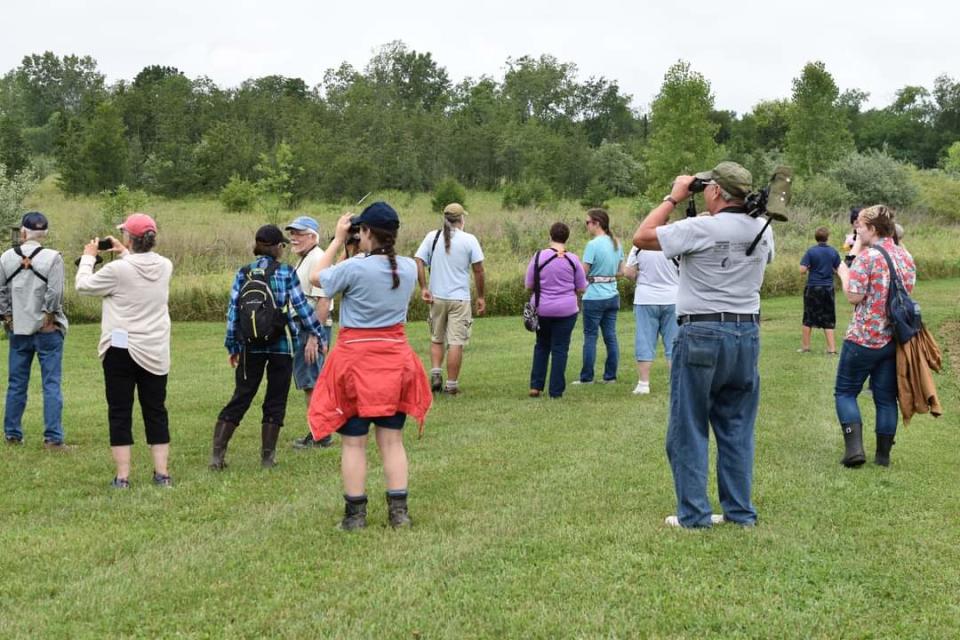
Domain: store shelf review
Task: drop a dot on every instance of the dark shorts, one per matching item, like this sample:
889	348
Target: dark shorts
357	426
819	307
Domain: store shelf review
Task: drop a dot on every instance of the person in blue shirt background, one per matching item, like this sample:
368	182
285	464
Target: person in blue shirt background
276	358
603	262
820	262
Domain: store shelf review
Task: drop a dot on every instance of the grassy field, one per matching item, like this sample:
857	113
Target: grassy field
207	244
533	518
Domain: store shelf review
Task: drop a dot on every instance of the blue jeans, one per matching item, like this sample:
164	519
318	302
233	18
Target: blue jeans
714	380
600	314
553	340
857	363
653	320
49	350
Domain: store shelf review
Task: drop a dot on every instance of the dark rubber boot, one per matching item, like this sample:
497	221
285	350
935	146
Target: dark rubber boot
853	455
397	510
884	443
269	434
354	514
222	432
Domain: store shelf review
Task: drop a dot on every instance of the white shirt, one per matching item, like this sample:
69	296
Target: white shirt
657	277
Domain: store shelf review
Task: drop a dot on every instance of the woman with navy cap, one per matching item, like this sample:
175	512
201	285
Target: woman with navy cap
372	375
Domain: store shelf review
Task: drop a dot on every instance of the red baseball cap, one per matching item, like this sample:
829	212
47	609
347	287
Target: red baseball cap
138	224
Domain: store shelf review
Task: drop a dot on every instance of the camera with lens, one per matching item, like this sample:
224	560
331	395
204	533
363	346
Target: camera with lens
353	235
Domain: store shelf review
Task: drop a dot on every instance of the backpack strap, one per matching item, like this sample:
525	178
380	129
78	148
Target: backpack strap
895	280
26	264
433	247
536	273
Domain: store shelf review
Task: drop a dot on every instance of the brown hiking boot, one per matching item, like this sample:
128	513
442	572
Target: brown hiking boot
397	510
222	432
269	434
51	445
354	514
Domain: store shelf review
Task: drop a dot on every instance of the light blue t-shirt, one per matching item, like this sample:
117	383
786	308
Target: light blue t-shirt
368	300
450	272
604	260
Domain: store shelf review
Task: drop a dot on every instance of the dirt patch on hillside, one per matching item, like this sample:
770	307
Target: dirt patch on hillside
950	335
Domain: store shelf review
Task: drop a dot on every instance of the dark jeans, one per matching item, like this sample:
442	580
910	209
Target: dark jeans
600	316
249	373
553	339
857	363
121	375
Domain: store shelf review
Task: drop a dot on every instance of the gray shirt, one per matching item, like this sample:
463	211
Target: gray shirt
27	298
716	274
369	301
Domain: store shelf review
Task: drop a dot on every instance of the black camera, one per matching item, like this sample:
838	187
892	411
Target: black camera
104	244
14	236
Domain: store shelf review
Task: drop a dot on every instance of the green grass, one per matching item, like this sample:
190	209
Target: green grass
533	518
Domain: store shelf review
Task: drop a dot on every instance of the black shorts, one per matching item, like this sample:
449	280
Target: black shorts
357	426
819	307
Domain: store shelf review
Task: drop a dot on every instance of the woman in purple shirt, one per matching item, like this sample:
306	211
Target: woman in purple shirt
561	279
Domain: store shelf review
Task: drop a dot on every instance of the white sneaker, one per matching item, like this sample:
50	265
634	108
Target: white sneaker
582	382
674	521
641	389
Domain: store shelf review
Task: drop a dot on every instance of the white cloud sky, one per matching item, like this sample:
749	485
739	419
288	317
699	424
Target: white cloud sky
748	51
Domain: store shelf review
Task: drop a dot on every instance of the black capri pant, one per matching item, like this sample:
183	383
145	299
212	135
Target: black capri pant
121	376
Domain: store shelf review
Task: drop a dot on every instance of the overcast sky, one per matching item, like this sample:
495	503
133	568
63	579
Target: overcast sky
749	50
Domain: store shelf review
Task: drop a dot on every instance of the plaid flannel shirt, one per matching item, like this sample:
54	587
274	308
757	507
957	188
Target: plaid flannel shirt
287	292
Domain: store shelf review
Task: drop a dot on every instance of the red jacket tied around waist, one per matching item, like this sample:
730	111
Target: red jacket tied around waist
369	373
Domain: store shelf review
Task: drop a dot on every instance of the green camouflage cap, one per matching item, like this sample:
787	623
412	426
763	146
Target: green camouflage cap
731	177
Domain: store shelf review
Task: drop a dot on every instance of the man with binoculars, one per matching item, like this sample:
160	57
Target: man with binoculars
714	378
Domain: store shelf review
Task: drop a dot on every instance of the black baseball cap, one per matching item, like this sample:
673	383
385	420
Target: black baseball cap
270	234
34	221
378	215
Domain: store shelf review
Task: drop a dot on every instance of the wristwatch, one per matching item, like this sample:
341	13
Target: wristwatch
670	200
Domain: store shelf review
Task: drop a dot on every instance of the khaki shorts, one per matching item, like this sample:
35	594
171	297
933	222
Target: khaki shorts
450	322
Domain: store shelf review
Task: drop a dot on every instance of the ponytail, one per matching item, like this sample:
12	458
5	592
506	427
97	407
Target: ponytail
448	221
602	218
386	239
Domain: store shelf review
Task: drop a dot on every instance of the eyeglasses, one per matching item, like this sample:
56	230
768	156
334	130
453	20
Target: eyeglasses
589	221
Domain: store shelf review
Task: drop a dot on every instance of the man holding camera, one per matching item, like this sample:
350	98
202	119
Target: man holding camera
310	353
31	305
714	378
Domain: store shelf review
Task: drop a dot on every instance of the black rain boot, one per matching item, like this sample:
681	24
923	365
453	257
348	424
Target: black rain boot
354	513
884	443
269	433
853	455
397	510
222	432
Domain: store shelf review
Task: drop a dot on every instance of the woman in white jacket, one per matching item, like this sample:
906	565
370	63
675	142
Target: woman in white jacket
134	340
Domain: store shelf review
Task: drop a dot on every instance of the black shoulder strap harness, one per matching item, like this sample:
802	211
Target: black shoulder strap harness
26	264
433	247
536	272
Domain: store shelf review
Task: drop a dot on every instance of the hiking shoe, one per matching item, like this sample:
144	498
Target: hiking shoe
354	515
162	480
51	445
120	483
13	441
451	391
307	442
436	382
642	389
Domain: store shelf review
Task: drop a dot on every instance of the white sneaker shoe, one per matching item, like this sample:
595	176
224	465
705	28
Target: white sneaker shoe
674	521
642	388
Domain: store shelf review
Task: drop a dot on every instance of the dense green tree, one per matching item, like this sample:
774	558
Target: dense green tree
818	133
683	137
50	84
13	148
93	156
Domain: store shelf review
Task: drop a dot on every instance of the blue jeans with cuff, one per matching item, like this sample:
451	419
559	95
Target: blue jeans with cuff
714	381
49	350
857	363
602	315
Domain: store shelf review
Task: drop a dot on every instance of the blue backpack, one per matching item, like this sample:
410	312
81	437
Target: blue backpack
903	312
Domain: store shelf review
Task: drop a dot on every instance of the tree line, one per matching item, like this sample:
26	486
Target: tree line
401	123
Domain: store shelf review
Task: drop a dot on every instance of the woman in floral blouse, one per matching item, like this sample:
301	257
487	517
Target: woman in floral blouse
868	347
